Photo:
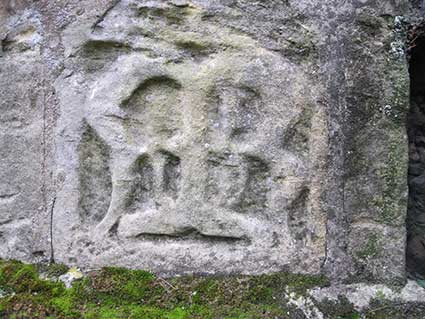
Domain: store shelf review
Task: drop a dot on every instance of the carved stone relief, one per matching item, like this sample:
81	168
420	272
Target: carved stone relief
194	148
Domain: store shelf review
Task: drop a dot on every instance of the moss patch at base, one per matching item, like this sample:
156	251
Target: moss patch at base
120	293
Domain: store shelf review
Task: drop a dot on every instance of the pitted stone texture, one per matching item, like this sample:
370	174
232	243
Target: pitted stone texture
209	136
213	144
22	155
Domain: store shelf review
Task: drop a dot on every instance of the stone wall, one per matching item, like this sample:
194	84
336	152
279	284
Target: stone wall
219	136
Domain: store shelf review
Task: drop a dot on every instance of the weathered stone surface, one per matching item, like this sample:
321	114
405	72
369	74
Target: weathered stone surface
362	297
200	149
23	143
207	136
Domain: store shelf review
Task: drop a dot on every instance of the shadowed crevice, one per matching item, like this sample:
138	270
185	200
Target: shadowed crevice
415	252
193	235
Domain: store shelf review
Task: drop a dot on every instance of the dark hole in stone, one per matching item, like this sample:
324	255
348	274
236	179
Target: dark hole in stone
415	252
39	253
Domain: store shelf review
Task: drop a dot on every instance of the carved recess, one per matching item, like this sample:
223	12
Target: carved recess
154	106
237	182
95	177
235	112
142	186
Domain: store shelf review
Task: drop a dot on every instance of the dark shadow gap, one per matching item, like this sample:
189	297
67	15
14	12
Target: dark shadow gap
415	251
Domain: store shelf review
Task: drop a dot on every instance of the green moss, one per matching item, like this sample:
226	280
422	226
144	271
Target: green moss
54	270
296	283
173	15
298	136
393	173
370	249
99	48
64	305
25	279
391	201
380	295
381	308
398	76
193	45
122	293
338	309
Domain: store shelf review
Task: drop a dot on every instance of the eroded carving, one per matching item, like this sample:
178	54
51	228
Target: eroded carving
237	182
95	177
169	14
257	185
192	234
171	174
142	185
297	214
154	105
297	135
99	52
207	133
154	89
226	179
234	112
